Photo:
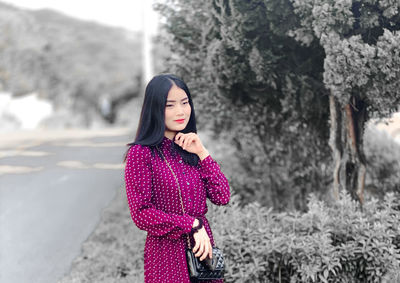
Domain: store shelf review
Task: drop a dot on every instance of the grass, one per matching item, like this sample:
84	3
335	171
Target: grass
111	253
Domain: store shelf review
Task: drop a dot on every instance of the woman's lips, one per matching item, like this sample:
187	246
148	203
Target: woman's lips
180	121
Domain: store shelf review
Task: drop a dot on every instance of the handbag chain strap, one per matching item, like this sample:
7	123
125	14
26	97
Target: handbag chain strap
179	188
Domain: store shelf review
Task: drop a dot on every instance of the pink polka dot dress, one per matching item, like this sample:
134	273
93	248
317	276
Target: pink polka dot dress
155	207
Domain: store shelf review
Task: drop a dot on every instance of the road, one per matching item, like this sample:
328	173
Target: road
53	189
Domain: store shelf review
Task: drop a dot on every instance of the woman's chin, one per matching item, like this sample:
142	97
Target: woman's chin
179	128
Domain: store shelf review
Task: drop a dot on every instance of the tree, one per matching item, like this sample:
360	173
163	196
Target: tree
361	70
273	74
261	89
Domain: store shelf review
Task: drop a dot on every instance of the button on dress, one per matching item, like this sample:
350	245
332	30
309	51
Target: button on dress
155	207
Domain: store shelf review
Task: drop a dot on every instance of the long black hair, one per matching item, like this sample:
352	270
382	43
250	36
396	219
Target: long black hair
151	128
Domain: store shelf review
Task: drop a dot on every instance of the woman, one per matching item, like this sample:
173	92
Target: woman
167	121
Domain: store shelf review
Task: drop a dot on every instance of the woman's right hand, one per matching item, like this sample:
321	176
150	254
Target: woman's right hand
203	245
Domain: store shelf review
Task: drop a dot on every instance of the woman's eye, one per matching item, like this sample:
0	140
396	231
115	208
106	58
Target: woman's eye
185	102
169	105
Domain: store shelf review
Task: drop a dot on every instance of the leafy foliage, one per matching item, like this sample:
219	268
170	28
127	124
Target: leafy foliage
261	72
361	42
328	243
260	89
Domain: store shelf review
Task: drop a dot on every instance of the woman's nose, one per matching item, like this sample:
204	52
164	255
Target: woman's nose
179	110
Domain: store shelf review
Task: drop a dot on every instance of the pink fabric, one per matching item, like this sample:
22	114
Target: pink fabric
155	207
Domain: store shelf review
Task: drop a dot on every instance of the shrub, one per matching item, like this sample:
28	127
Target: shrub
337	243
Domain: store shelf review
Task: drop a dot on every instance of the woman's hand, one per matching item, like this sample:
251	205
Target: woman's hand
203	245
191	143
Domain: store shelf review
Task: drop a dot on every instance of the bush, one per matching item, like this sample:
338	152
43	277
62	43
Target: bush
337	243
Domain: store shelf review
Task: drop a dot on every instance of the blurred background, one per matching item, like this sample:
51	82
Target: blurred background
75	65
290	104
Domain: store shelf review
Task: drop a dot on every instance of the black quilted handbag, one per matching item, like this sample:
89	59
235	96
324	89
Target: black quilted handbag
209	268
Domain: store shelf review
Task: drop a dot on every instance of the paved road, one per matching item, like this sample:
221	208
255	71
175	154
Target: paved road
51	198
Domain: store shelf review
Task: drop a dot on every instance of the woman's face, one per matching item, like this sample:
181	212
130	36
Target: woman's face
177	111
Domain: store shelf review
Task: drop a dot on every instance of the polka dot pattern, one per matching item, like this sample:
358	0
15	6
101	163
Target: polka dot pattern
155	207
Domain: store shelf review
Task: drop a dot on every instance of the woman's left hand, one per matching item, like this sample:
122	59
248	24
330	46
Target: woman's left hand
190	142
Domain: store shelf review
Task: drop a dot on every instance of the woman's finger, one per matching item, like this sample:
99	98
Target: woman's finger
177	136
181	140
187	142
196	246
201	250
206	251
184	143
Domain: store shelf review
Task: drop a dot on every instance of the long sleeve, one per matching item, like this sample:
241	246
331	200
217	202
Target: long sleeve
216	184
138	183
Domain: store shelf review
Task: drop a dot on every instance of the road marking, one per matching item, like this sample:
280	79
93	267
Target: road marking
109	166
11	138
80	165
8	169
31	153
73	164
89	144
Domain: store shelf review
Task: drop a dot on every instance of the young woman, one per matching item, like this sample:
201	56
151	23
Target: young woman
167	121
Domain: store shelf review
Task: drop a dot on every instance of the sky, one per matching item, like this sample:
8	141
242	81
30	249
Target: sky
121	13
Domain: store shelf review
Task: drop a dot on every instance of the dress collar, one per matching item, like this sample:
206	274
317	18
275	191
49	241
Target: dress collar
166	142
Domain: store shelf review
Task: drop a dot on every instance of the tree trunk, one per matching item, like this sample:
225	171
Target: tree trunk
335	143
346	142
355	165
